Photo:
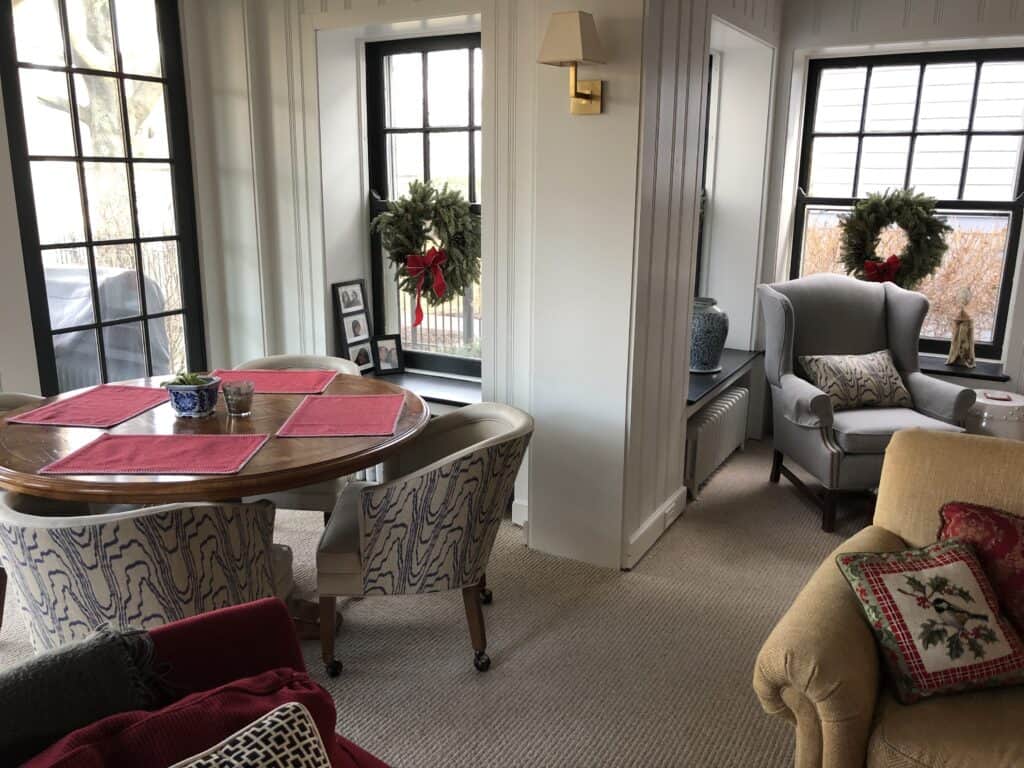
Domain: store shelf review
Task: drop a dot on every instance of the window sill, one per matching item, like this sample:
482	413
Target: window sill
985	370
443	390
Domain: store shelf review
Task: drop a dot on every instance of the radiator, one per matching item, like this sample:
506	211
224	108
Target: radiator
713	433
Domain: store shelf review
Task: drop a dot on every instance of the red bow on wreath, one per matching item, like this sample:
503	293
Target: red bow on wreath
416	265
882	271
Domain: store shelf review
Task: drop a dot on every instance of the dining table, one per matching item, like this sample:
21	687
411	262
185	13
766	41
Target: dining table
281	463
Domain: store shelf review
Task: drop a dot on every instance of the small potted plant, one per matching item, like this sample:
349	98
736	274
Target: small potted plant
193	395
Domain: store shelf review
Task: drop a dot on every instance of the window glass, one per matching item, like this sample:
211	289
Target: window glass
840	100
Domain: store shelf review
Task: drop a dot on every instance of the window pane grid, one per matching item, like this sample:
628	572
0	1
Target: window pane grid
426	124
950	125
109	199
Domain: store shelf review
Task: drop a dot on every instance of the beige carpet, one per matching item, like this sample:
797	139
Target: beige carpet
591	667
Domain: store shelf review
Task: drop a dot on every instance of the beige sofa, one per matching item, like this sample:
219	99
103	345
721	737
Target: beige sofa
820	668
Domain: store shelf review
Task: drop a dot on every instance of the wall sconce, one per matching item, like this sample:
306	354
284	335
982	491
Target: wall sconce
571	40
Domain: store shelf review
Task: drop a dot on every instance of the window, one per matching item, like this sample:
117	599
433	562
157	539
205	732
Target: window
423	100
949	125
95	105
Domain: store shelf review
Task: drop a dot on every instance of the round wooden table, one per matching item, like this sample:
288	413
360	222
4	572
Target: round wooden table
281	464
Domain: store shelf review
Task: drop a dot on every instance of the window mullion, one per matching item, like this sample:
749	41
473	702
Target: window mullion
426	123
125	131
970	128
913	127
860	136
83	192
470	134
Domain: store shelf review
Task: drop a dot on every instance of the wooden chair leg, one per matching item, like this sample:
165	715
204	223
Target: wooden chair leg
477	634
486	596
328	626
3	594
776	467
828	510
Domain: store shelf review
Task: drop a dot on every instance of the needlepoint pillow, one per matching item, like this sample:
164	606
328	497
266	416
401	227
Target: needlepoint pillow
936	619
997	538
858	381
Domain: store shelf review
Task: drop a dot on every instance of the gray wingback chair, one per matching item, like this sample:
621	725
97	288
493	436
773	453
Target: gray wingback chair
836	315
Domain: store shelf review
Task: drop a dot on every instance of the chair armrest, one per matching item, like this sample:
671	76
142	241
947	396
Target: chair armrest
819	666
803	403
939	399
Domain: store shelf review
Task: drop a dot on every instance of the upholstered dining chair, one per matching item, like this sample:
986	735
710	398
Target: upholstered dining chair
430	525
140	568
830	314
322	496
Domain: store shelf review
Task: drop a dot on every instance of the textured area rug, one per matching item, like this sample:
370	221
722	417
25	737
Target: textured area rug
591	667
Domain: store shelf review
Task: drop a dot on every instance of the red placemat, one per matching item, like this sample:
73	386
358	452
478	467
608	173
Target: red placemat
344	416
159	455
104	406
283	382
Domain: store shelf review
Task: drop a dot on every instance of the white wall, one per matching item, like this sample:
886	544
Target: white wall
735	211
18	369
816	28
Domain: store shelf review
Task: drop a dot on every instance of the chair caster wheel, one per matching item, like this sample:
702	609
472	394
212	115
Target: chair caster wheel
486	596
333	668
482	661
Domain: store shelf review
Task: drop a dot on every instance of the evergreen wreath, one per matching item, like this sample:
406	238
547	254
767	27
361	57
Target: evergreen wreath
915	214
433	239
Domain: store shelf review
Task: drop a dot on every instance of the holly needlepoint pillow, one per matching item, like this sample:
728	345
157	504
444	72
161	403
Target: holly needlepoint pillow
997	538
936	619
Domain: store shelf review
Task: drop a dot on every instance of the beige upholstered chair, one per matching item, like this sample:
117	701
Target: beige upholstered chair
11	400
319	496
820	667
430	525
140	568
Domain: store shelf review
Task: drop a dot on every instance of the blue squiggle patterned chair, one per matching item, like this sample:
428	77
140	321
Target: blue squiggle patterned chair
140	568
430	525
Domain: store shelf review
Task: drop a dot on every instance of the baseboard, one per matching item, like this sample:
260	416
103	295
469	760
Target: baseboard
520	513
653	527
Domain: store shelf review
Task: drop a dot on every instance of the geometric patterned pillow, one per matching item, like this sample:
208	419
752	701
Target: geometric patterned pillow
285	737
858	381
936	619
997	538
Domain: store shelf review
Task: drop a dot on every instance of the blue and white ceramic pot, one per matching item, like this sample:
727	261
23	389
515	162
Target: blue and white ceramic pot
194	401
707	336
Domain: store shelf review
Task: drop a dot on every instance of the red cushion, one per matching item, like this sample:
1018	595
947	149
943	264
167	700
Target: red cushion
997	538
218	647
196	723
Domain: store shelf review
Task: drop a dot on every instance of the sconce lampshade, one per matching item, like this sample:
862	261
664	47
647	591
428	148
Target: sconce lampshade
571	39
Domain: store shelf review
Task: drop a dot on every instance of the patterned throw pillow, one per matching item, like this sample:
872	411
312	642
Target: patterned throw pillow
936	618
858	381
285	737
998	540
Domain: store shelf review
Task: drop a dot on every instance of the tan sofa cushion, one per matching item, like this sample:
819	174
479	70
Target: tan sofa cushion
980	729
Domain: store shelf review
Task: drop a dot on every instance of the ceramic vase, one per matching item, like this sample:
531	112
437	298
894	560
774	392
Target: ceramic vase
707	336
194	401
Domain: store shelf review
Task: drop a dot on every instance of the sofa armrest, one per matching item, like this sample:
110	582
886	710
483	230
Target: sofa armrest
803	403
939	399
819	666
212	649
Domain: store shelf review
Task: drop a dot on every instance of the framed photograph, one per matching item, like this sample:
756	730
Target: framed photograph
361	355
357	328
387	354
350	296
351	316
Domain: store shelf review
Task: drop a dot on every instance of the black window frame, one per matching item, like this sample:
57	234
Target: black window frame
1015	207
180	161
377	163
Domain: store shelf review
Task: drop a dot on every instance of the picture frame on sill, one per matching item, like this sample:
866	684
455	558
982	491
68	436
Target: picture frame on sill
362	355
387	354
350	296
352	323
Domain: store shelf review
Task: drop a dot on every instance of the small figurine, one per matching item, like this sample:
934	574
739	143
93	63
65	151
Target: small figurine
961	346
